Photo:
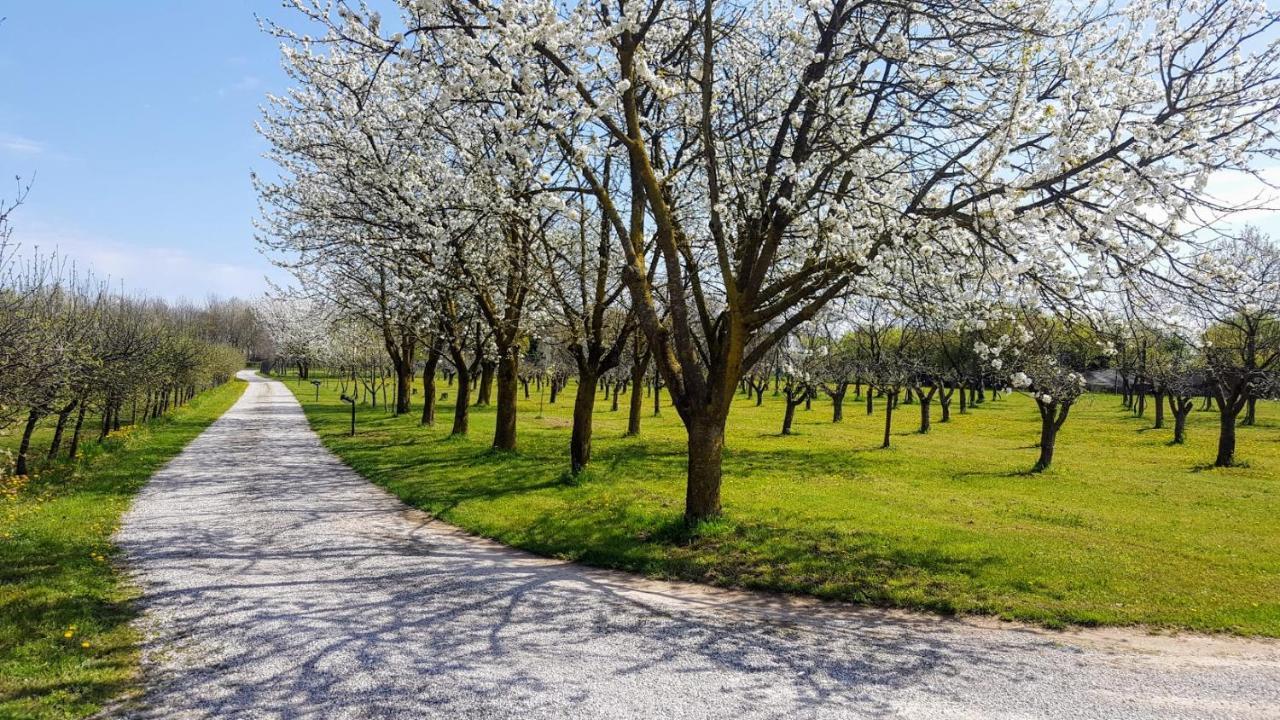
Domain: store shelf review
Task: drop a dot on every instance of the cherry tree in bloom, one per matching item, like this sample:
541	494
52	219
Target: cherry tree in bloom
1043	357
779	155
299	327
579	267
1226	302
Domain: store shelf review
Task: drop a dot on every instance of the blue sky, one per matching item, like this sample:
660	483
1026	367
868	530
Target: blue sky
136	120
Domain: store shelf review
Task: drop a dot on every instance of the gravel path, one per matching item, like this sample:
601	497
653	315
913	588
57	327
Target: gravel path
280	584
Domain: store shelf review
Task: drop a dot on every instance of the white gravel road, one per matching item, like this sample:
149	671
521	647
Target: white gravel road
280	584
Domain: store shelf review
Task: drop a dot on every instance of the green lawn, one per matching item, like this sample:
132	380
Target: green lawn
1123	529
66	645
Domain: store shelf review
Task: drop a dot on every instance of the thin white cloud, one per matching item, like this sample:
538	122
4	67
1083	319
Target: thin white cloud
167	272
20	145
244	84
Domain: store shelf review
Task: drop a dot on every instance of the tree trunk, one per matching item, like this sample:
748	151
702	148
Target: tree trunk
20	467
706	451
1179	407
429	389
75	434
1250	412
1227	413
657	397
1048	437
58	429
636	401
584	404
869	400
789	414
504	432
404	382
889	402
106	421
462	398
484	395
837	405
925	412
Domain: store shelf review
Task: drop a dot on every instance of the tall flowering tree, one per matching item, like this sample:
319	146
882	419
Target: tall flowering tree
778	155
1228	305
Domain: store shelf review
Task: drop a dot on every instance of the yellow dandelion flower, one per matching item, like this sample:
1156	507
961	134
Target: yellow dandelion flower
68	634
84	644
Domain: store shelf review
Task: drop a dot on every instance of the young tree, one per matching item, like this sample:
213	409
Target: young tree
1234	299
583	284
1046	359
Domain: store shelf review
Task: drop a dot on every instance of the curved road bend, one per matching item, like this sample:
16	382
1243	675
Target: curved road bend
280	584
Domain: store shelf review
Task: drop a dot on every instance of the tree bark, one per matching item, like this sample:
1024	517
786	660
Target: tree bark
1227	412
20	467
429	389
58	429
404	383
1180	407
889	402
504	432
75	434
1052	416
462	397
584	404
1048	438
706	451
792	400
636	401
1157	398
484	394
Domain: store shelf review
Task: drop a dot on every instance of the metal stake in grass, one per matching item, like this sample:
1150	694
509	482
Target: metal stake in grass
316	383
352	402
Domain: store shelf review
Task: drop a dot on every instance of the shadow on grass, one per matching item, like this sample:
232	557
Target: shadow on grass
56	574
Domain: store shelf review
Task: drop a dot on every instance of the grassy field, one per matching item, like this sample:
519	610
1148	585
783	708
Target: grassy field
1124	529
66	645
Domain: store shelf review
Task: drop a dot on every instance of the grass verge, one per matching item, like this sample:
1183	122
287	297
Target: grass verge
1124	529
66	645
